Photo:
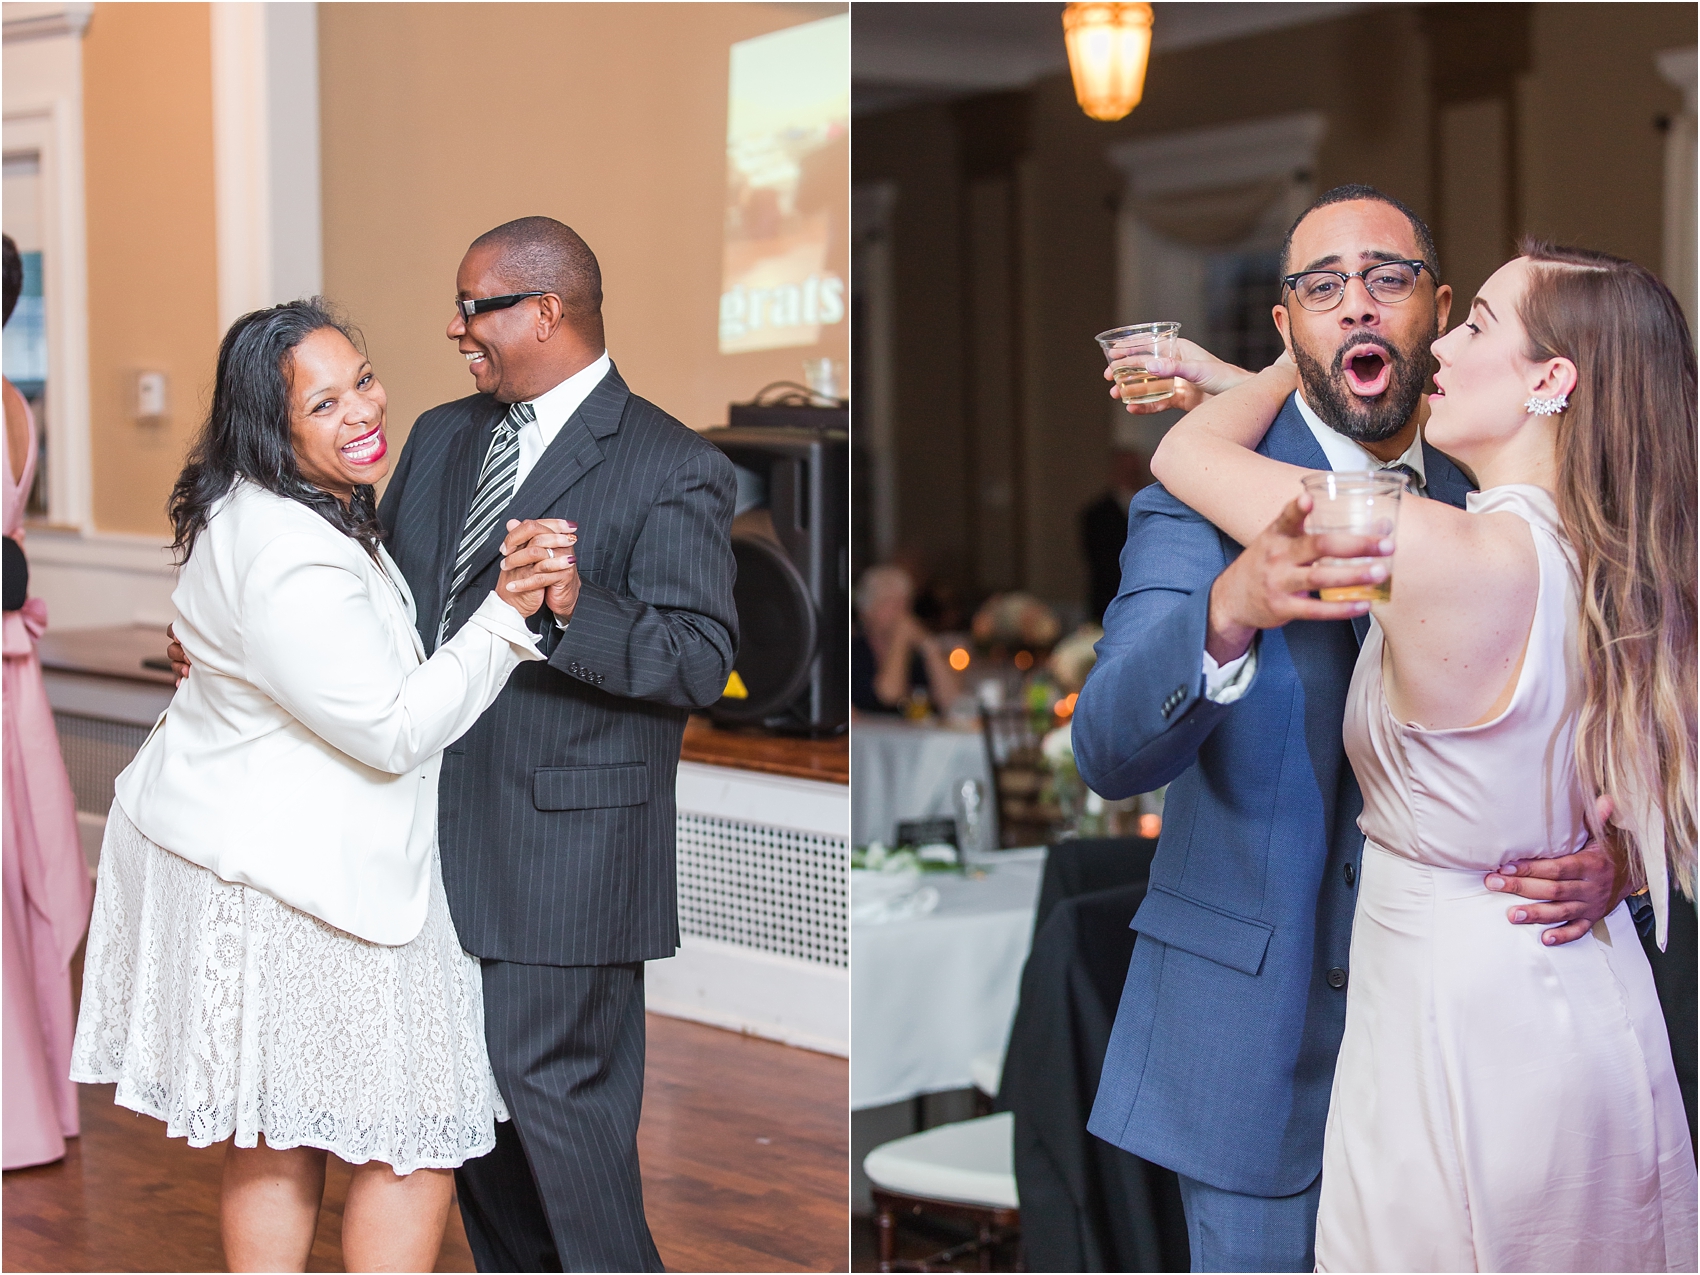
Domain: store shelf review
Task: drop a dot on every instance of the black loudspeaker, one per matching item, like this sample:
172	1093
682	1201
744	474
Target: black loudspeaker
790	538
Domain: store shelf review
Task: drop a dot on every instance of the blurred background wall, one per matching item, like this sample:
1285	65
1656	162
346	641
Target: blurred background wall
178	164
997	228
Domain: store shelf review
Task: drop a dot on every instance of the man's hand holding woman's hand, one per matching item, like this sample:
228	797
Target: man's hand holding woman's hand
539	566
1198	375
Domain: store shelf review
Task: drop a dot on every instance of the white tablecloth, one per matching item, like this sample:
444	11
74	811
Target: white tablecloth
901	771
927	996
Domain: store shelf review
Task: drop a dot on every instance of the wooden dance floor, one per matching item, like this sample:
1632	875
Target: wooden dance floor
745	1149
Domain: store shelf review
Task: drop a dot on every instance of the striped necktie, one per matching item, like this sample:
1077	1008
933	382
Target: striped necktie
490	499
1417	486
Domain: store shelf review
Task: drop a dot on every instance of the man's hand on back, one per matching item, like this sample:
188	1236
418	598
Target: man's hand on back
175	653
1270	583
1574	890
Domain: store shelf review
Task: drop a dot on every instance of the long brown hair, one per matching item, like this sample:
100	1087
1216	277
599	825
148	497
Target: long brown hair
1626	494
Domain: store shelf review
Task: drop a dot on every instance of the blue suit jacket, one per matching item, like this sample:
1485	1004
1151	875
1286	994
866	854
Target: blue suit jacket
1222	1056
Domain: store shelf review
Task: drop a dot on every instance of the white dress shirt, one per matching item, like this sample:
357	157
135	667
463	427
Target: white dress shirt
1225	683
554	409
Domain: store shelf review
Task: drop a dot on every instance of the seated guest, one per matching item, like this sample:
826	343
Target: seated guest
1103	530
892	655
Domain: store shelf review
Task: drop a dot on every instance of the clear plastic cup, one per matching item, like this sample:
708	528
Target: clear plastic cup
1360	504
1138	342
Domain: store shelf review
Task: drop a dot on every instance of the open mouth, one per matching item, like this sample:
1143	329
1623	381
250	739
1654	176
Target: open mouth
367	448
1368	369
474	358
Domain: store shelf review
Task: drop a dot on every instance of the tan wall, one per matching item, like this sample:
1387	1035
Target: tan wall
152	263
440	121
1593	168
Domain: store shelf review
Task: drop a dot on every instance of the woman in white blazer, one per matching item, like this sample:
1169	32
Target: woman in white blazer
271	959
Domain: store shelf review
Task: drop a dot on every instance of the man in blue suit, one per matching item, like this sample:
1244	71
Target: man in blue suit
1221	676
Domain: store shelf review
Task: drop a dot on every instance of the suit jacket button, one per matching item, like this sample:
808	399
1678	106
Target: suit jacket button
1351	875
1336	978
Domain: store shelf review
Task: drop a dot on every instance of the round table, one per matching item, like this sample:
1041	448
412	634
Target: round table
907	771
929	995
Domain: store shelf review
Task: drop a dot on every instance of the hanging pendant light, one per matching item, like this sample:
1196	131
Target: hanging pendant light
1108	47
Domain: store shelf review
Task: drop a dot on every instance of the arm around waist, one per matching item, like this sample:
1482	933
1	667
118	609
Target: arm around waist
317	642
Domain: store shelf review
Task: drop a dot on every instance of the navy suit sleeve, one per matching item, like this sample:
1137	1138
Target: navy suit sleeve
1143	714
671	635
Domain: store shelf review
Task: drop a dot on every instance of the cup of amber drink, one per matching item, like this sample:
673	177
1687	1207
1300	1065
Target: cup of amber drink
1128	350
1358	504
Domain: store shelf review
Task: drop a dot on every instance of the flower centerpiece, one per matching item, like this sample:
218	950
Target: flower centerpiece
1082	809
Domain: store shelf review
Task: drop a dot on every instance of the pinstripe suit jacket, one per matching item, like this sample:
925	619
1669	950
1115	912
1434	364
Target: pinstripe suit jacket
556	810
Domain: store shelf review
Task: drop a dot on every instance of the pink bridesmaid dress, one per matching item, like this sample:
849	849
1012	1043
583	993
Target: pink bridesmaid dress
47	886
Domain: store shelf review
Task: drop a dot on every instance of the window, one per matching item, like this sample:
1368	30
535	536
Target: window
25	348
1240	290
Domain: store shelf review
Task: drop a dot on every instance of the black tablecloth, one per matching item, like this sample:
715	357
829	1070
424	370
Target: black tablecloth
1085	1205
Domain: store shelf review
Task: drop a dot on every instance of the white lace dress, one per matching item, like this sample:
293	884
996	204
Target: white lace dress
221	1011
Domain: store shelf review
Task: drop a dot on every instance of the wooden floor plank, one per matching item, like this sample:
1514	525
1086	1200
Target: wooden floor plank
745	1147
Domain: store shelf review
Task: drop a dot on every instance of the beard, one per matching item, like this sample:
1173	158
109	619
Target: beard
1368	420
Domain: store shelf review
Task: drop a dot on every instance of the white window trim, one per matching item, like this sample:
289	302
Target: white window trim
266	177
44	113
1159	279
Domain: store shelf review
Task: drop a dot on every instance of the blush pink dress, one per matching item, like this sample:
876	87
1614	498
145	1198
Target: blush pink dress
47	886
1498	1105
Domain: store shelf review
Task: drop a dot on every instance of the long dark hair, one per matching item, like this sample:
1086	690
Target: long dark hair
247	431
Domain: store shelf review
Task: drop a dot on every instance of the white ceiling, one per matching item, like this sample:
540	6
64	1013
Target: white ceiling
908	51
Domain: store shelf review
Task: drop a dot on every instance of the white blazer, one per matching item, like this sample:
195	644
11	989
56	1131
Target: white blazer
301	754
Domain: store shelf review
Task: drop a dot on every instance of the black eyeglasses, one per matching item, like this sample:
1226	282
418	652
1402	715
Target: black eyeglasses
469	306
1387	281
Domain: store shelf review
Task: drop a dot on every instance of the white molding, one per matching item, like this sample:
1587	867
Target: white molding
44	112
43	21
266	154
107	551
803	805
760	993
96	581
241	158
1677	66
292	120
1198	159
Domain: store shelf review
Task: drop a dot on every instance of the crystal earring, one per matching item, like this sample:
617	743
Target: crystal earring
1547	406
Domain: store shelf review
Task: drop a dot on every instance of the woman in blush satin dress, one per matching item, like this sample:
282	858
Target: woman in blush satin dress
47	882
1502	1103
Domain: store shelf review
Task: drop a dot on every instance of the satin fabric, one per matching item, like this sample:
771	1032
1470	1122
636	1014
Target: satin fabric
1498	1104
46	883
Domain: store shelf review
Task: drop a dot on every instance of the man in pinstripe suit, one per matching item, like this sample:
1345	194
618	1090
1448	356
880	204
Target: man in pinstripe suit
556	817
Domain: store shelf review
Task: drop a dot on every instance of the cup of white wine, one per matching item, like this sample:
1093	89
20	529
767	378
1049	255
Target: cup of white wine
1363	503
1129	348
